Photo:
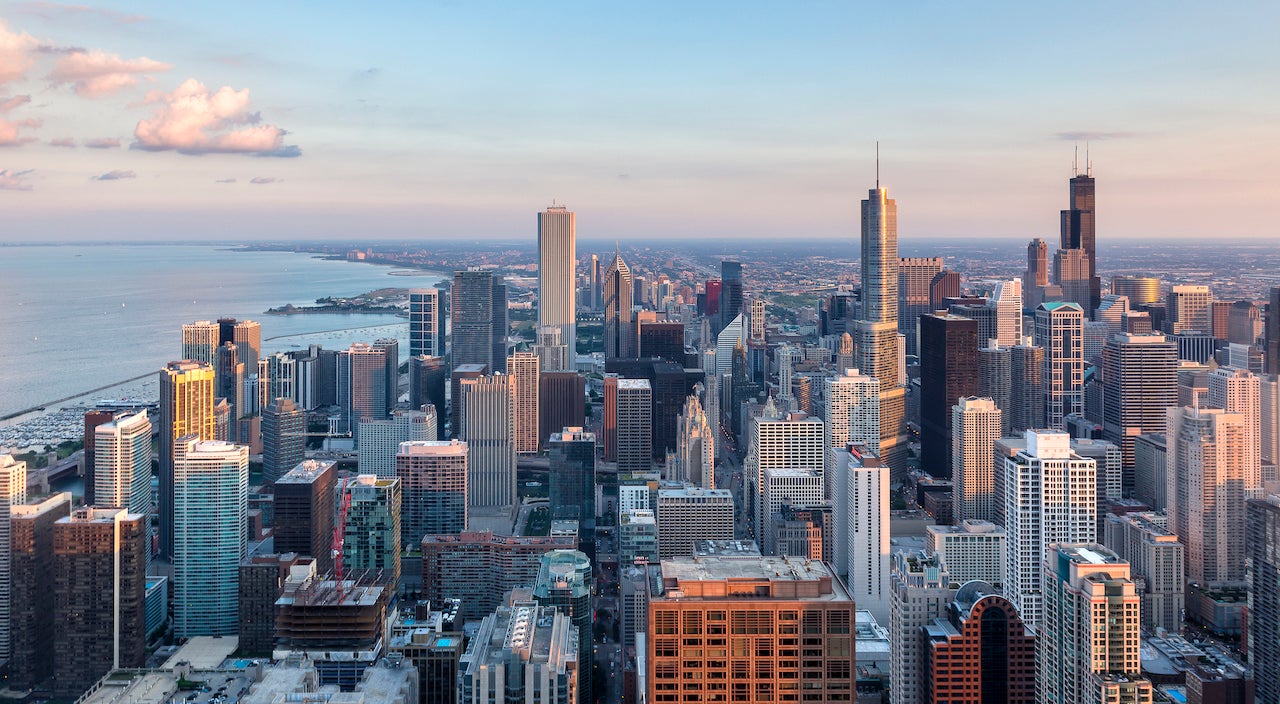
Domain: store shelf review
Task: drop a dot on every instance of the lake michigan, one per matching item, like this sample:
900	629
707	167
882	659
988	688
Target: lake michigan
77	317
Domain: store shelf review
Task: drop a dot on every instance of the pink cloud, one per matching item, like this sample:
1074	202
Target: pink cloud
10	134
102	143
118	175
193	120
63	142
15	54
95	74
14	180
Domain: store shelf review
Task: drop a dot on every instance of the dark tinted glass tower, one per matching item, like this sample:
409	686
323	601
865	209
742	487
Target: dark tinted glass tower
572	462
948	372
428	377
1272	354
1079	230
731	291
479	315
284	439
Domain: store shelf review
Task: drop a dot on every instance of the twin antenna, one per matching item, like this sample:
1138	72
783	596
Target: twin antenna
1075	161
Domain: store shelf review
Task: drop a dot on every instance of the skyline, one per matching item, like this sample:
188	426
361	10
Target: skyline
403	122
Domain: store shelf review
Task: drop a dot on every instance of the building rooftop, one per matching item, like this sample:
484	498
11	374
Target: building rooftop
433	447
971	526
306	472
725	548
1090	554
322	592
204	652
633	384
694	493
638	516
805	579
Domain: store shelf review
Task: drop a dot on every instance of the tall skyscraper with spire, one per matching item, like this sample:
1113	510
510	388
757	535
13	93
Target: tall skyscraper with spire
1079	228
618	335
876	334
557	272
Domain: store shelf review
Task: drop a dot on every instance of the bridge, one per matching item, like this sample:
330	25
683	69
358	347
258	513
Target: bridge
39	480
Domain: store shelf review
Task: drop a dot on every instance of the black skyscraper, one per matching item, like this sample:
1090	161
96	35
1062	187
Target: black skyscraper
1272	352
1079	232
948	372
731	291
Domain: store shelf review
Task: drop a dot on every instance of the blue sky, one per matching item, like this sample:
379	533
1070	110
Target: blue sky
461	119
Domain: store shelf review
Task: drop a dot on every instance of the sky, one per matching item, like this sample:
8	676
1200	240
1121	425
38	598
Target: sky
462	119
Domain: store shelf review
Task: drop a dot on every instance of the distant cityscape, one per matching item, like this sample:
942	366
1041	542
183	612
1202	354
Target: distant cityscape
921	472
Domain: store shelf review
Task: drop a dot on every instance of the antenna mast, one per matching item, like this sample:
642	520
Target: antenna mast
877	164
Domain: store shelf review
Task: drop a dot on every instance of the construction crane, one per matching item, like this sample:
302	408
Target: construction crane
340	533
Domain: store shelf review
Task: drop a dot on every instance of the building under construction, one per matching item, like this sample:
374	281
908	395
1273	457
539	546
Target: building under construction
338	624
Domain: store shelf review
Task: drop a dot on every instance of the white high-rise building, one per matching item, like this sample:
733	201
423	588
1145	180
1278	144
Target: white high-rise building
426	327
691	514
1007	300
199	341
1269	416
13	491
553	355
853	412
1209	480
730	337
1111	311
861	507
488	429
1060	331
379	440
920	591
1050	496
1240	391
971	550
778	441
975	427
523	368
1087	649
558	272
1189	309
801	488
122	463
210	523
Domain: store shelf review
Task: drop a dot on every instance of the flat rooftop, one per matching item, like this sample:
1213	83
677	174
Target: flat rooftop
682	572
695	492
633	384
204	652
1090	555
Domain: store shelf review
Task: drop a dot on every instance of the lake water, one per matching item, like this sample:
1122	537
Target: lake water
77	317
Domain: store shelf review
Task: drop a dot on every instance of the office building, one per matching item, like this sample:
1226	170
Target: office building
523	652
694	460
1037	271
552	354
749	591
562	399
732	335
1071	276
1139	377
778	441
1140	290
948	372
99	596
995	381
186	408
619	332
690	514
523	368
390	347
637	536
1026	383
211	496
853	411
277	378
1049	496
478	319
92	419
1079	231
428	378
1209	481
628	421
304	507
1189	309
230	373
975	427
860	502
787	487
1269	421
1007	302
564	583
371	536
436	657
380	440
1150	467
461	372
488	429
1107	457
362	385
478	567
122	455
284	438
1060	332
1155	556
434	485
571	461
557	272
200	340
980	651
1262	521
30	601
915	274
920	590
262	580
732	294
971	549
1239	391
1087	647
426	323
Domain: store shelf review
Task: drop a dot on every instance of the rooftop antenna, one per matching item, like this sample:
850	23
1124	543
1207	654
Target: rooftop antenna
877	164
1075	162
1088	163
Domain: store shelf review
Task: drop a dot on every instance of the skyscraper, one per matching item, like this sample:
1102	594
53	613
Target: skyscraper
731	295
380	439
426	324
1156	556
199	340
557	272
362	384
103	628
980	651
211	504
523	368
122	453
975	427
552	354
948	373
1140	290
519	649
304	512
30	600
1208	484
853	414
632	423
1049	496
779	440
571	461
1026	381
695	459
13	491
995	381
915	274
1263	541
1238	391
1060	331
186	408
390	347
920	591
490	441
1007	302
860	501
371	538
1271	331
1087	649
428	378
560	402
1037	272
1079	231
618	331
1139	378
284	439
1071	274
434	482
1189	309
479	319
564	582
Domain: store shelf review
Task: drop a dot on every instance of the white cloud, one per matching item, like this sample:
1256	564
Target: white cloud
14	180
95	74
193	120
102	143
15	54
63	142
118	175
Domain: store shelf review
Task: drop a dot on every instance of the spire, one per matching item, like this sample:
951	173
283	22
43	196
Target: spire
877	164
